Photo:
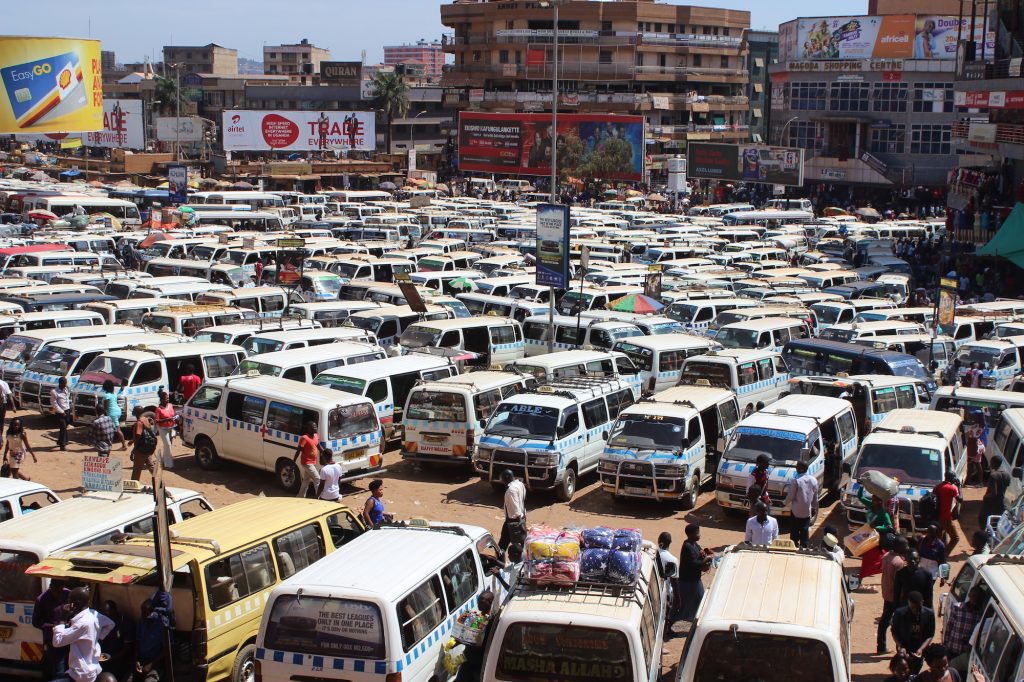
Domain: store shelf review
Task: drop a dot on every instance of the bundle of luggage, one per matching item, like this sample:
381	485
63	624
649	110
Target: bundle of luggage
594	555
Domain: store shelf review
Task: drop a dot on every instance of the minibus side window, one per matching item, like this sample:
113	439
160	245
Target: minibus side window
245	408
595	413
997	648
271	304
619	401
764	369
420	612
289	418
343	527
746	374
378	391
461	580
905	397
239	575
220	365
298	549
295	374
148	373
883	400
730	414
847	429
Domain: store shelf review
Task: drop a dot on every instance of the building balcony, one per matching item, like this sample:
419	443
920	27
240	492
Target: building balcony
592	37
989	134
616	101
591	71
702	133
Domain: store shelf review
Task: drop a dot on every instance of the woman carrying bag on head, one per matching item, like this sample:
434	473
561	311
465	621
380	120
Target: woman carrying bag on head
881	520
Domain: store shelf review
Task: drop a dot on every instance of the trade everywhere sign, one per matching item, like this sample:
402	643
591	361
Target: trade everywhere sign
299	131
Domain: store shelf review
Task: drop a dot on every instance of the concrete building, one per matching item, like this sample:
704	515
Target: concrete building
947	7
211	59
429	54
763	52
302	58
989	131
867	121
682	67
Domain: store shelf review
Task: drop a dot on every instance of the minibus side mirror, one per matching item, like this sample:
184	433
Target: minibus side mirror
944	571
483	423
720	445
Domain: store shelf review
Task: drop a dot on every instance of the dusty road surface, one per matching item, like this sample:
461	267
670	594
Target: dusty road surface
446	494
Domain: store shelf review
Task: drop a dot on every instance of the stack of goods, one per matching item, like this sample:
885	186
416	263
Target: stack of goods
610	556
552	556
469	627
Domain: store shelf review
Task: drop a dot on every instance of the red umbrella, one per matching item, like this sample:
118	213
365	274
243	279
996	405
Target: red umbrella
42	214
153	238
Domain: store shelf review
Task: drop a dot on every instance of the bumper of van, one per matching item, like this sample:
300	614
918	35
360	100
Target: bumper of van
437	459
731	498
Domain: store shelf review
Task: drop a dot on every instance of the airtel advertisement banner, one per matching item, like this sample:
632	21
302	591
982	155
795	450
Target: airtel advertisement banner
122	128
299	131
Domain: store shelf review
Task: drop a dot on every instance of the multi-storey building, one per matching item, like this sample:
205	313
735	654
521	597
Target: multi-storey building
210	59
867	116
763	52
680	66
301	58
429	54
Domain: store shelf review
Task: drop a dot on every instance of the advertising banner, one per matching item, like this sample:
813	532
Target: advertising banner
341	73
946	306
177	184
102	474
299	131
122	128
746	163
189	129
50	85
553	246
893	36
608	147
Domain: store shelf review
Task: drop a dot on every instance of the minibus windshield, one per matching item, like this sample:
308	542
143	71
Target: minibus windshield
255	345
782	446
738	655
908	464
716	373
54	360
649	432
421	337
524	421
99	370
18	348
736	337
436	406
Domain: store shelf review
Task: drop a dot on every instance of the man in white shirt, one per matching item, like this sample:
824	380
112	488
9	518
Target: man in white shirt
82	633
6	401
513	531
330	478
60	404
761	528
802	498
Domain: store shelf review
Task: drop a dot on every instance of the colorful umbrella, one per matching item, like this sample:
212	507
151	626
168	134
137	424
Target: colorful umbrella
635	303
153	238
461	284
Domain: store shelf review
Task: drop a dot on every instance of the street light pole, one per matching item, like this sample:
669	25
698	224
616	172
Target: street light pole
554	155
177	112
412	135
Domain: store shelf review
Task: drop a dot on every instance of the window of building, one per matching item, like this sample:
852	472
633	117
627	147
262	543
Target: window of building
847	96
805	134
605	57
930	139
657	27
707	30
503	57
933	98
725	31
696	60
889	140
714	30
661	59
671	28
889	97
476	55
807	96
725	62
606	26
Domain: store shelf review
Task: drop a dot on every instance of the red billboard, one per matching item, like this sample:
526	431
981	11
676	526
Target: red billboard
607	147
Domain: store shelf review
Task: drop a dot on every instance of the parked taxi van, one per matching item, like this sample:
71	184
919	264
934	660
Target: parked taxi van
757	377
18	350
405	611
257	421
189	319
305	364
660	359
224	567
444	420
83	521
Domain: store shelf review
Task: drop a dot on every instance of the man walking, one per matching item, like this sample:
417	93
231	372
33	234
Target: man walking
947	496
60	405
105	432
309	447
959	626
330	478
802	498
513	531
913	578
761	528
993	503
913	628
892	563
82	632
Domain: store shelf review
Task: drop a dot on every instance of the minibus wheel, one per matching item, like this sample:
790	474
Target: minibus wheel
567	489
288	476
244	668
206	454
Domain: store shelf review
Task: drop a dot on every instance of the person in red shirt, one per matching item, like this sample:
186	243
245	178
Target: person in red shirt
947	496
189	383
308	450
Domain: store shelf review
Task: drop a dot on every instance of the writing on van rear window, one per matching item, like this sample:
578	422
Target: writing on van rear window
324	626
534	651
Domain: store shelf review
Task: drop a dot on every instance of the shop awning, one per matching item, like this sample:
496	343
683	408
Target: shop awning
1009	240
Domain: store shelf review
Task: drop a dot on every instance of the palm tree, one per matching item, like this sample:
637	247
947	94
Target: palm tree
168	94
392	98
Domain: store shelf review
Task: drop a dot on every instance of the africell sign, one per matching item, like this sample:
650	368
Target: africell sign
299	130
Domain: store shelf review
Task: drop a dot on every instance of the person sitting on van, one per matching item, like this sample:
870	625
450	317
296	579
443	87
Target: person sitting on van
108	399
913	628
189	383
308	450
104	431
762	528
330	477
757	483
937	658
373	510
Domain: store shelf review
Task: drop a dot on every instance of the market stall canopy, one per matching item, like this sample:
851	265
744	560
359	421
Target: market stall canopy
635	303
1009	240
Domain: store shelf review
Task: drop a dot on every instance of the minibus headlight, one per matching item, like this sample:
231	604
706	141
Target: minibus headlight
484	454
546	460
676	471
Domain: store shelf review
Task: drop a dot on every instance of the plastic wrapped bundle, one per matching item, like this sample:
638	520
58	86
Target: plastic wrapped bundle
553	545
594	565
540	542
880	485
597	538
627	540
555	571
622	567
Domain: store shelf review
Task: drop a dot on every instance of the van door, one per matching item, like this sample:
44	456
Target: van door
996	647
506	343
595	421
281	438
242	437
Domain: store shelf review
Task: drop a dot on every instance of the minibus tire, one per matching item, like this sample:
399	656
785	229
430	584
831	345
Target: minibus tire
689	500
206	454
284	465
567	488
245	660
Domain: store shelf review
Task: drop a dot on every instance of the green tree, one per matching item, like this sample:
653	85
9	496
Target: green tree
168	94
392	98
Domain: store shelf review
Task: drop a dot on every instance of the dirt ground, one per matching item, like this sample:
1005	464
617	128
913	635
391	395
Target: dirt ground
445	494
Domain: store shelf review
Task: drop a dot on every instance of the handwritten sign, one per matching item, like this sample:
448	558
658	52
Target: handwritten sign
101	473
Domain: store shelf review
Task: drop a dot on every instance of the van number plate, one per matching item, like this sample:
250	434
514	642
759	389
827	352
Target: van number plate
642	492
355	454
6	633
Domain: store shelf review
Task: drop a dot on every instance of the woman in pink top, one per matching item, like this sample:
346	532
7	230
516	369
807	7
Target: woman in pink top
165	422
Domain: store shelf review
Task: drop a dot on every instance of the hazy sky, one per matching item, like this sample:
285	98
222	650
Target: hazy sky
141	27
